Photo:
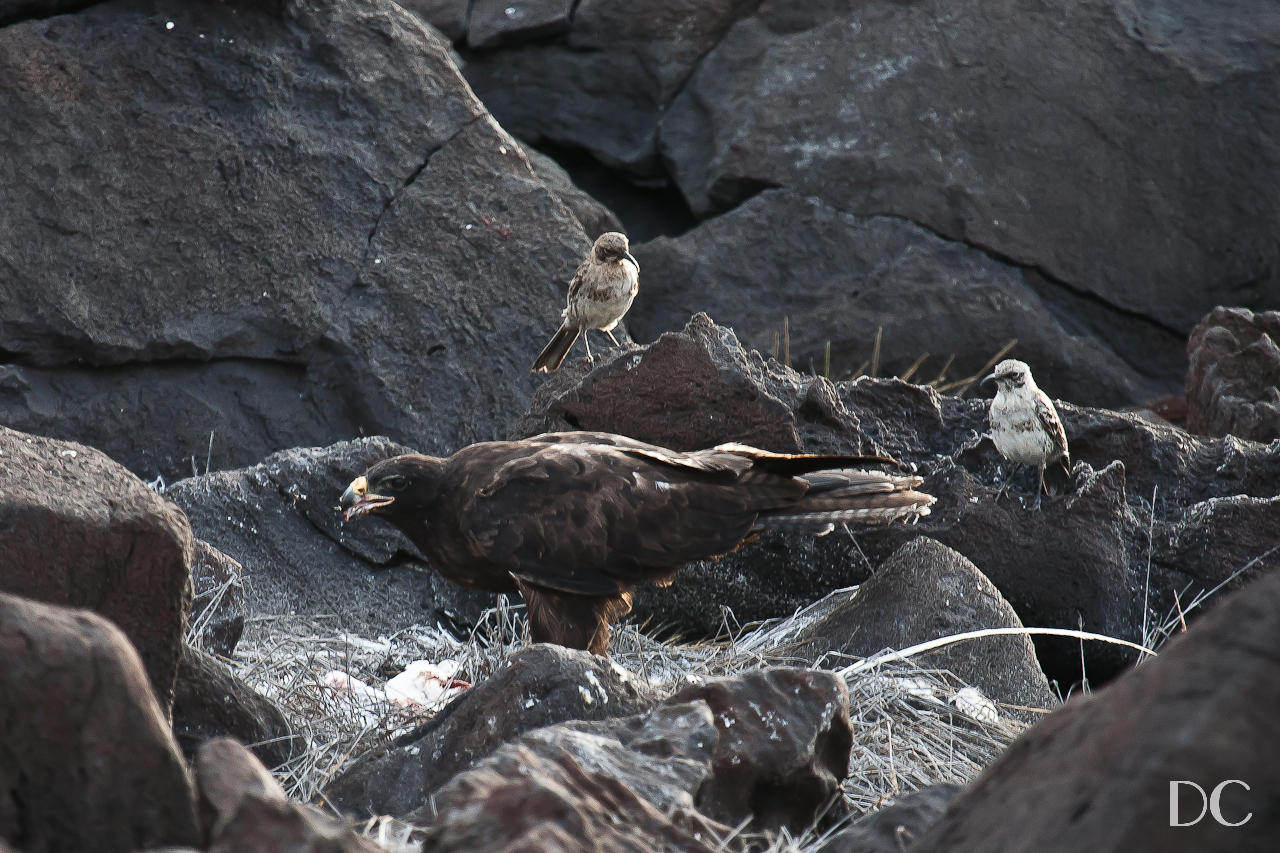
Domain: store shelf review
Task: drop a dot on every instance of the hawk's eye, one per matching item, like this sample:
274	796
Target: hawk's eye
395	482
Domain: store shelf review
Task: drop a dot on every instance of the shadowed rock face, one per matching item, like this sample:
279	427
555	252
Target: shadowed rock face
1095	775
1233	381
261	229
88	762
77	529
1080	560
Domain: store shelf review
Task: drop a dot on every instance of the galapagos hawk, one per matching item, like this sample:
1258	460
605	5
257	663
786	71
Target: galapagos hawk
575	520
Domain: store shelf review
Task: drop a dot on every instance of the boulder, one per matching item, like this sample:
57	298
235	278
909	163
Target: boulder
268	227
219	608
1099	773
838	279
77	529
1233	379
280	519
540	686
925	591
1035	132
211	702
89	762
1079	561
894	827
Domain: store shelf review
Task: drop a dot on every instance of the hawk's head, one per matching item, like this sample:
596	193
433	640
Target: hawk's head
396	489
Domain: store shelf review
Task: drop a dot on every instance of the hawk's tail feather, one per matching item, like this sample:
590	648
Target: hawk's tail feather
864	497
553	354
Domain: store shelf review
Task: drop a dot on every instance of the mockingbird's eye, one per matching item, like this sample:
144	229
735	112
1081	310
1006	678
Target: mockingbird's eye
396	482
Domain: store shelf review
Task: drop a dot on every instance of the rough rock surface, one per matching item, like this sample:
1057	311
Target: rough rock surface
79	530
1233	380
268	825
783	750
555	805
87	761
1081	560
923	591
604	84
225	772
211	702
219	608
279	518
1035	131
895	827
267	227
838	278
1096	774
540	686
767	748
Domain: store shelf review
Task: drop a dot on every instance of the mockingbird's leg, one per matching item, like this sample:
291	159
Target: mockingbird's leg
586	339
612	338
1042	490
1004	487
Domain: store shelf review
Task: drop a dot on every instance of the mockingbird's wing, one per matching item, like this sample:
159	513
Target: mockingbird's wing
1052	424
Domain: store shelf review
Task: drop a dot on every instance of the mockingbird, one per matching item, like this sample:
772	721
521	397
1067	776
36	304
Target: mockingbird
1024	425
600	293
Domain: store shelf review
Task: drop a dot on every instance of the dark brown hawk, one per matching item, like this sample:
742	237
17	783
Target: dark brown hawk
575	520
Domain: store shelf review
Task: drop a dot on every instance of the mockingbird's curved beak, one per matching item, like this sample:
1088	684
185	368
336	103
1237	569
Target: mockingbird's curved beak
357	500
631	258
987	378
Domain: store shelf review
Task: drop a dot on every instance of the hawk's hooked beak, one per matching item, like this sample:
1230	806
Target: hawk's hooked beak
357	500
628	256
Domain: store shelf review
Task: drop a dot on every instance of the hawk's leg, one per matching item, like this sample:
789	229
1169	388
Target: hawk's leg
571	620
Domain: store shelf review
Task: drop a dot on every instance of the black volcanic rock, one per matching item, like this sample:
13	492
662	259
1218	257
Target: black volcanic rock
231	229
1233	380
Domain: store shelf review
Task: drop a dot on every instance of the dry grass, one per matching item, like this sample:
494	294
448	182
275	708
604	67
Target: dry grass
907	734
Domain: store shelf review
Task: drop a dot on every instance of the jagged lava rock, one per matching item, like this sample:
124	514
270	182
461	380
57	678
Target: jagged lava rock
1233	379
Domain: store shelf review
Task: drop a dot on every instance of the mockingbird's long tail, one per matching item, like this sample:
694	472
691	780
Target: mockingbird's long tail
553	354
851	495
